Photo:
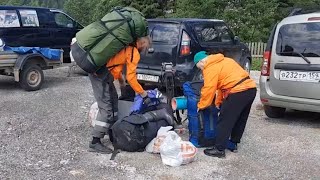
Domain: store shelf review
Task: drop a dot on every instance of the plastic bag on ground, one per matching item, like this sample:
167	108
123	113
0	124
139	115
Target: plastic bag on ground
154	145
175	152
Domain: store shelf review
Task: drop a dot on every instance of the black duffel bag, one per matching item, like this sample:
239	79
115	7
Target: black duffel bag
134	132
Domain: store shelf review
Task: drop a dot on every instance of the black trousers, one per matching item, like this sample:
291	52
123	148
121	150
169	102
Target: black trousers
233	117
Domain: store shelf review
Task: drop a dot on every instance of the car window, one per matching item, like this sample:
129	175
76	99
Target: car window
9	18
207	33
63	20
29	18
165	33
224	32
303	38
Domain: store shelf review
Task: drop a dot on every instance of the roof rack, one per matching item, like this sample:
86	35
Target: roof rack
299	11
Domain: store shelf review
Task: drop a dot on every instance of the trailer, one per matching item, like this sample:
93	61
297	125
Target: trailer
27	68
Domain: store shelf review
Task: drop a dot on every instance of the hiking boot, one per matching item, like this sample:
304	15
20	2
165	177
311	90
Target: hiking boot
99	148
214	152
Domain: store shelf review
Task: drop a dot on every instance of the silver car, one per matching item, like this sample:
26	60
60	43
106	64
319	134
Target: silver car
290	74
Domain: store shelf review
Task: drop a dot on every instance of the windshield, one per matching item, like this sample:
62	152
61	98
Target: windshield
303	38
164	33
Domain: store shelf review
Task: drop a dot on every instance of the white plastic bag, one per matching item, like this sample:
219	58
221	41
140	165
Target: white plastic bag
170	150
154	145
93	113
175	152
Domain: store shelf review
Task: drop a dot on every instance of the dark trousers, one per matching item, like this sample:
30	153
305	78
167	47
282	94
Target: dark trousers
233	117
107	98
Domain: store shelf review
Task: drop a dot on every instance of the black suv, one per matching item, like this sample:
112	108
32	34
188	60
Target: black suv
37	27
175	42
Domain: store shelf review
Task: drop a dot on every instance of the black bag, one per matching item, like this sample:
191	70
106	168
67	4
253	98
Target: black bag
134	132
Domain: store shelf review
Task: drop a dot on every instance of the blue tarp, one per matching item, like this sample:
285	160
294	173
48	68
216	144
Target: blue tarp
52	54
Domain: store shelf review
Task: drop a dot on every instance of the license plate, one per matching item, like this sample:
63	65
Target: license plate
145	77
300	76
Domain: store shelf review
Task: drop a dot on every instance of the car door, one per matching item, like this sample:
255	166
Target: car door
35	34
10	27
165	39
232	47
65	29
295	59
213	36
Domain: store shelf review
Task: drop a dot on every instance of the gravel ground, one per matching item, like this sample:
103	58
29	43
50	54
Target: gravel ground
45	135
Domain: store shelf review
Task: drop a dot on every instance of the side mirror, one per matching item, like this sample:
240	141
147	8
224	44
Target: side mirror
70	25
1	43
236	40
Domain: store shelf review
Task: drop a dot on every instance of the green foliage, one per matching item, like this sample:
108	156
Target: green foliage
251	20
256	64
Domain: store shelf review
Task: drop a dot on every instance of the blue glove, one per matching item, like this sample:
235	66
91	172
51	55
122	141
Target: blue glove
152	99
137	104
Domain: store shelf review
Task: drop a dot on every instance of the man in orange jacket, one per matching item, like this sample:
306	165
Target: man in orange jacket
105	92
235	95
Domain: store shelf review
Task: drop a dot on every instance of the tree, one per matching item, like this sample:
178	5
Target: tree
251	20
150	8
81	10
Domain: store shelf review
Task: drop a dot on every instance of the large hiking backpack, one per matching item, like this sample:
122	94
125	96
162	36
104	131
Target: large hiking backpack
116	30
134	132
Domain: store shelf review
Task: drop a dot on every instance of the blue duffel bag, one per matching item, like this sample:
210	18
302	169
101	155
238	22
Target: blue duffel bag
202	125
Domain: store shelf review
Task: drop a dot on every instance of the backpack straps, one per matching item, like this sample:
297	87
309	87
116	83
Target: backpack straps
114	153
241	81
119	10
225	92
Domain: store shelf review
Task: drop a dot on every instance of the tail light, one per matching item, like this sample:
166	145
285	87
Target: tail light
265	69
185	44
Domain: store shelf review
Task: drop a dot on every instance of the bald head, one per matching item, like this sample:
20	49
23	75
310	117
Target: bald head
143	43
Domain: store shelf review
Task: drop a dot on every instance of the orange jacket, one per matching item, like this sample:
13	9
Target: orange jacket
125	57
221	73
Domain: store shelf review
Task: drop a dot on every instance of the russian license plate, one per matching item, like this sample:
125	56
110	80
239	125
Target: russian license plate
145	77
300	76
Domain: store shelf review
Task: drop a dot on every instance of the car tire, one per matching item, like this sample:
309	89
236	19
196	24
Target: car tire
31	77
247	65
274	112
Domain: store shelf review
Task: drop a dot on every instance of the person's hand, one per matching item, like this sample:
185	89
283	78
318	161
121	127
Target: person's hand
146	99
144	94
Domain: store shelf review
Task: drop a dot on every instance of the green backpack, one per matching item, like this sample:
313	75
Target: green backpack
105	38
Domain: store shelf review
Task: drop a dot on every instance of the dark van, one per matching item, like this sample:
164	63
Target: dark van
37	27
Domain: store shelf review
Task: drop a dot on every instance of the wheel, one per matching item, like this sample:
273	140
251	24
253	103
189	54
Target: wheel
31	77
274	112
247	65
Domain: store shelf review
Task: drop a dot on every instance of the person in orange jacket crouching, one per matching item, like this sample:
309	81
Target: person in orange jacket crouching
105	92
235	95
